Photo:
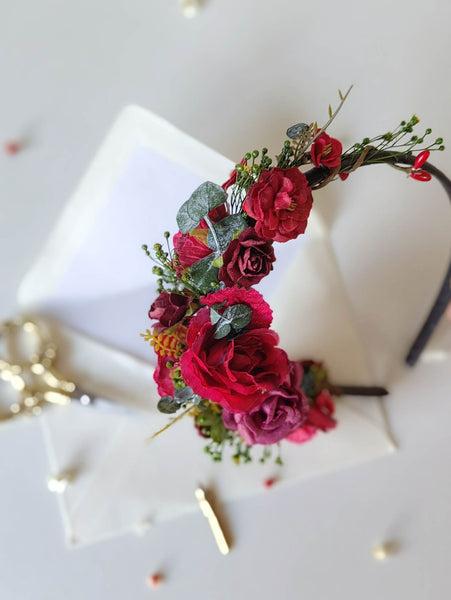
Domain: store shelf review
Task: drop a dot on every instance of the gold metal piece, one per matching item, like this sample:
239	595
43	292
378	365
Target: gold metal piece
212	519
47	387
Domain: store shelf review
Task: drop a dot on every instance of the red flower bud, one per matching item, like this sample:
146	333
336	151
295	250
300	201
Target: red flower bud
421	159
421	175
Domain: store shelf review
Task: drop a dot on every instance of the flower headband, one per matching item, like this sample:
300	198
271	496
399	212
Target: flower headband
218	358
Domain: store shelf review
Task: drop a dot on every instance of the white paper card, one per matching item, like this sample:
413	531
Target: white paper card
94	277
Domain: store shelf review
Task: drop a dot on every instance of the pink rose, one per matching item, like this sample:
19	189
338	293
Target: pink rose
281	413
280	202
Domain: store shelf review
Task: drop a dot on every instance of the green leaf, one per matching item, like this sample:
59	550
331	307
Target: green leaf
204	199
214	316
223	328
235	317
204	273
168	405
225	230
238	315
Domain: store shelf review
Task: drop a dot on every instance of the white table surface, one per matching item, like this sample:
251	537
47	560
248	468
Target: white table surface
235	77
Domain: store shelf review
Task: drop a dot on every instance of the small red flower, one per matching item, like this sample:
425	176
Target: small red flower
326	151
280	202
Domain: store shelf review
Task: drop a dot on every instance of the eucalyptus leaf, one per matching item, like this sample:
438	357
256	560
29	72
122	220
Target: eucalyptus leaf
214	316
238	315
225	229
297	130
204	199
168	405
223	328
184	395
204	273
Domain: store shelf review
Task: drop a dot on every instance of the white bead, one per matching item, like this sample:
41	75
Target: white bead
190	8
381	552
57	484
142	527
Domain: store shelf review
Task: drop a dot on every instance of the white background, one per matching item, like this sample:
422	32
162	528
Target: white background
235	77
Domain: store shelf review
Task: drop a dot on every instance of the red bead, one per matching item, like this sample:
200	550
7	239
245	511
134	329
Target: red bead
421	159
11	148
155	580
268	483
421	175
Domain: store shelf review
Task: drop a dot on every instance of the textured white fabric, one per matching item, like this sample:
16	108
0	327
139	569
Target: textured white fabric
93	277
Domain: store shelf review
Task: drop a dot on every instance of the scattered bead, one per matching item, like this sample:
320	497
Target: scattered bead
11	148
142	527
155	580
382	551
190	8
58	484
268	483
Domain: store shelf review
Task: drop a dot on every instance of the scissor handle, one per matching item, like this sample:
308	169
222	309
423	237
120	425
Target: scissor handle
40	365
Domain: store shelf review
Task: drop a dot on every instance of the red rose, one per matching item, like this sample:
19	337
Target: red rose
247	260
192	246
162	377
280	202
169	308
319	417
326	151
189	249
236	373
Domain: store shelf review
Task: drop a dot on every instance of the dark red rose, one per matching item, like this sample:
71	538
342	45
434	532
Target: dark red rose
247	260
280	202
282	412
236	373
326	151
169	308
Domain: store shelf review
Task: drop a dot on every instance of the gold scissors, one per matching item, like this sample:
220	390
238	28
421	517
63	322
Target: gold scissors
30	373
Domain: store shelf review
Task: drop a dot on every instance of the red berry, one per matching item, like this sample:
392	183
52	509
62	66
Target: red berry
269	482
421	159
11	148
421	175
343	176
